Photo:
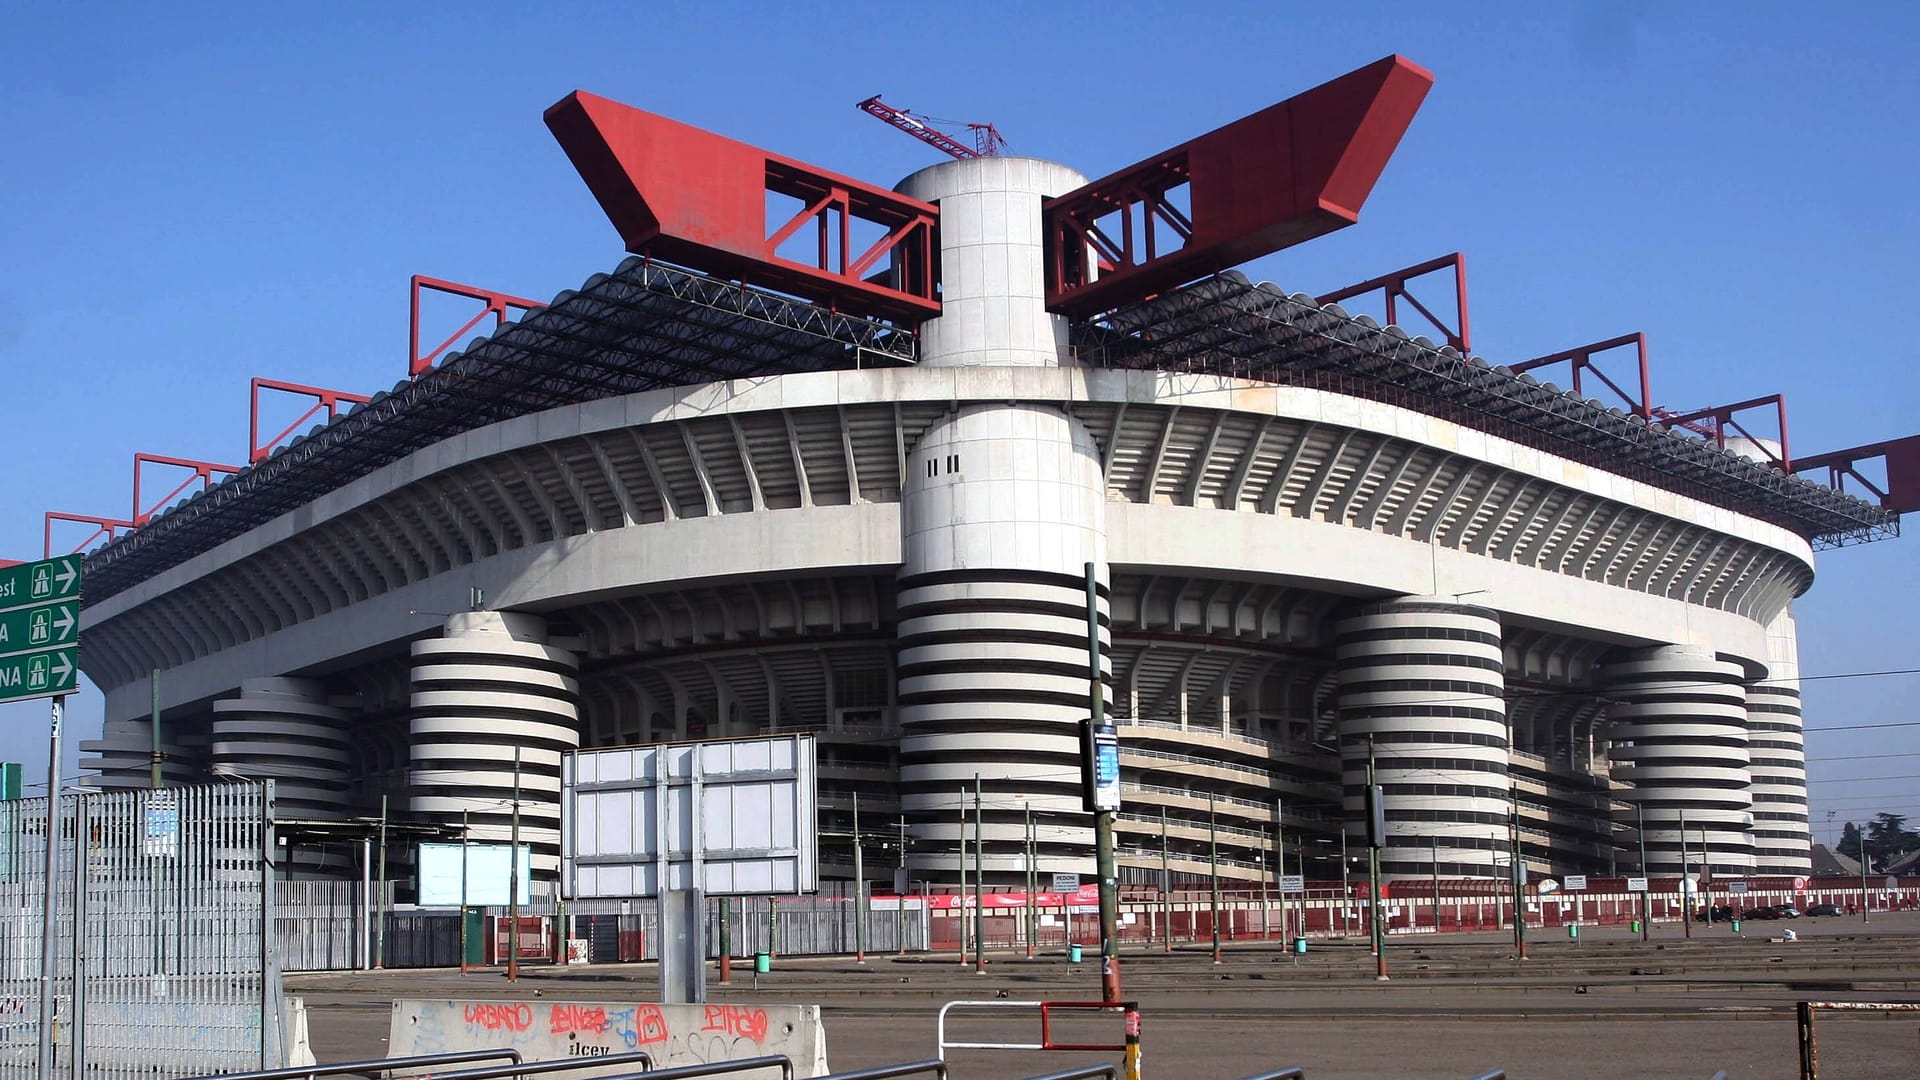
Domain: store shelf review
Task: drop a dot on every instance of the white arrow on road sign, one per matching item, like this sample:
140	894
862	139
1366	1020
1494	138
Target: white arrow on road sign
66	575
64	621
62	667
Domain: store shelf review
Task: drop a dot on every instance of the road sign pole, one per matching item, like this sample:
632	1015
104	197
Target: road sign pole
49	899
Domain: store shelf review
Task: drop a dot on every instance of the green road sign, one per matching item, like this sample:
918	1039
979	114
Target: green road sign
40	628
35	583
41	674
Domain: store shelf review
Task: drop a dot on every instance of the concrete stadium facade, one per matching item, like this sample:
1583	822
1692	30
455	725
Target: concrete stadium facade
891	557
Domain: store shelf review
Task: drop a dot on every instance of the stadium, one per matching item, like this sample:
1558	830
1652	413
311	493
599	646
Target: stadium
828	457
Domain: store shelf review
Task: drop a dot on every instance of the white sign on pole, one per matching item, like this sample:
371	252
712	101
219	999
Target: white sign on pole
163	825
1066	883
1293	883
488	867
1737	888
1636	884
1576	882
732	817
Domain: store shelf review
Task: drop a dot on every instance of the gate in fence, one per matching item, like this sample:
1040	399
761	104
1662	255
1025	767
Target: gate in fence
164	952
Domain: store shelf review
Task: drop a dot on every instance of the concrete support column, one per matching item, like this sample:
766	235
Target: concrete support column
488	686
1424	678
1679	738
1782	836
283	730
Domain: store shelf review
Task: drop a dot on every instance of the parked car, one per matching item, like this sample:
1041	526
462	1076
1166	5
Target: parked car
1785	911
1823	909
1719	913
1760	913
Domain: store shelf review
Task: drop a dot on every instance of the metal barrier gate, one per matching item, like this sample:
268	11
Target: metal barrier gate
163	957
1810	1049
1129	1046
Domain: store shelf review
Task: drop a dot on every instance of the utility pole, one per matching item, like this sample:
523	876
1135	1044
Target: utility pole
859	890
1866	902
513	880
1646	878
1032	908
900	900
1166	886
465	829
157	757
1519	876
1102	818
380	924
1376	836
1346	891
979	884
1433	864
1280	873
963	877
1213	873
1686	881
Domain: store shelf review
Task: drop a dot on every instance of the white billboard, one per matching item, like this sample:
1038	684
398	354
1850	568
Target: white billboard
484	883
728	817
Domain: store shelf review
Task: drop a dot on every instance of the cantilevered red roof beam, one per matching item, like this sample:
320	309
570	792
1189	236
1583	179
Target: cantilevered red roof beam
699	199
1901	458
1286	174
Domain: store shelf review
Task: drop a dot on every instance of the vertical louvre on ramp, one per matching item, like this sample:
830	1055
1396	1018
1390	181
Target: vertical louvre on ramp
163	915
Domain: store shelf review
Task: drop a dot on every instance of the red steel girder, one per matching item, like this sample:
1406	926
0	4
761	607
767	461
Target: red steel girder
1582	360
699	199
1394	286
102	526
1293	171
202	471
1722	417
1900	458
323	399
497	305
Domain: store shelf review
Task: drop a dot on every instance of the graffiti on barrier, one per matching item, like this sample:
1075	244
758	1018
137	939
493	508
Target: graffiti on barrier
737	1020
502	1017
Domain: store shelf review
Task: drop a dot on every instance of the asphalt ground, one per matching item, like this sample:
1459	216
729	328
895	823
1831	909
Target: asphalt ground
1607	1006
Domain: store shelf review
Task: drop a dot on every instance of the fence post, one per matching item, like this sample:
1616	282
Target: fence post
1809	1056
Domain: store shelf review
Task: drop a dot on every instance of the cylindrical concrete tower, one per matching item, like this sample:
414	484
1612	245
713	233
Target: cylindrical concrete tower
1003	506
1423	678
1782	837
283	730
1680	739
993	306
490	686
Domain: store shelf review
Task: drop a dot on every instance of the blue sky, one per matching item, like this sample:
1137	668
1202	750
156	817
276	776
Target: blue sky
195	195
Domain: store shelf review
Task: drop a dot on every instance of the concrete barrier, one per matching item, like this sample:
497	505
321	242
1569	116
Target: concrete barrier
544	1030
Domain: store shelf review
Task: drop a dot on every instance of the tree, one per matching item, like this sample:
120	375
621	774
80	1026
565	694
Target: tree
1849	841
1888	838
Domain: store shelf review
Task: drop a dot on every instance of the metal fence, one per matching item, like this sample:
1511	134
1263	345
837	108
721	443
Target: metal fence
164	961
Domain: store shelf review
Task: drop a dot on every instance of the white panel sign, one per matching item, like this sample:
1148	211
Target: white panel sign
728	817
1293	883
484	884
1636	884
1576	882
1066	883
1737	888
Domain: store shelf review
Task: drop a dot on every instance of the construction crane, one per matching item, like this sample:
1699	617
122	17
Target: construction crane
986	138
